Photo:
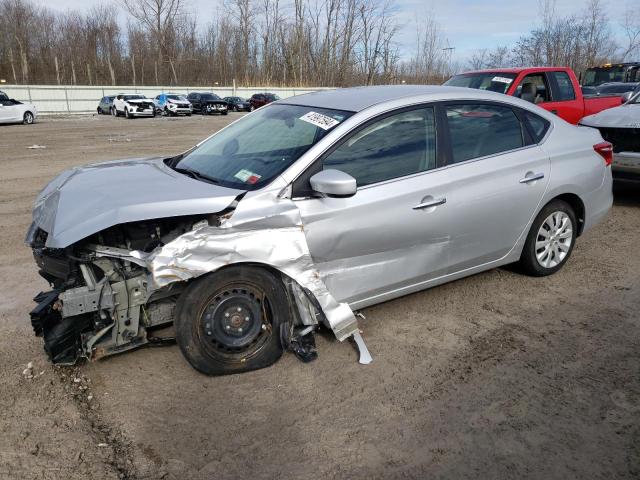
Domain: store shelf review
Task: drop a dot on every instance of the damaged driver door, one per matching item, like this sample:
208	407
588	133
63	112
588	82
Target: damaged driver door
394	232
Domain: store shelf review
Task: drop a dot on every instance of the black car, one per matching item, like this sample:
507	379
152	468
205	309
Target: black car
237	104
207	103
104	107
616	88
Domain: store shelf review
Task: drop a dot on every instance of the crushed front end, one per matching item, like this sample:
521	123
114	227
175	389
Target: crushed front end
99	303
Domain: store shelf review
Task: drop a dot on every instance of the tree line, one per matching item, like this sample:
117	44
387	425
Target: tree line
273	42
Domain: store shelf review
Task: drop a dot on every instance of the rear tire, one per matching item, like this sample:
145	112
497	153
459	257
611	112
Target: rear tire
229	321
550	241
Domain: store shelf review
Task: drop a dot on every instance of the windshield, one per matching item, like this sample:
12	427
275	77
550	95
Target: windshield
176	97
254	150
134	97
210	96
491	81
599	75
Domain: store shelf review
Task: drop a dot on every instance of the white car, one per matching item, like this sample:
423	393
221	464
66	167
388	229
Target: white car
173	104
13	111
133	105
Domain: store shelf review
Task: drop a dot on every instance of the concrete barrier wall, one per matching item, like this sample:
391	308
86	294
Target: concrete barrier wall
59	99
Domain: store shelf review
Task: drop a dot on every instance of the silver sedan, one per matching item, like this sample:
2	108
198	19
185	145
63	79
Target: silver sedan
304	212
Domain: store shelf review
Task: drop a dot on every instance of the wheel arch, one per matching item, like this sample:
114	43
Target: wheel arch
282	276
576	203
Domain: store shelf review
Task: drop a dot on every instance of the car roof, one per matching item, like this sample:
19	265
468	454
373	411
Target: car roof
357	99
517	70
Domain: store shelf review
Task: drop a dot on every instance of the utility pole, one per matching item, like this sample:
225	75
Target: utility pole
448	54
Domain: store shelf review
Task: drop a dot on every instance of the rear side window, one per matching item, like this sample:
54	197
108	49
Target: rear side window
393	146
538	126
478	130
565	88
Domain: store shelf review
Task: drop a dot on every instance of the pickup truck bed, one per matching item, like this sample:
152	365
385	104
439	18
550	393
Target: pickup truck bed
555	89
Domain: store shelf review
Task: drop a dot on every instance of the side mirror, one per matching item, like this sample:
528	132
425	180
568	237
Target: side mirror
626	97
334	183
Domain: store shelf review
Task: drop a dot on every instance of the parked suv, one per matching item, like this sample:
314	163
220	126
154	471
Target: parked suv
173	104
207	103
105	105
258	100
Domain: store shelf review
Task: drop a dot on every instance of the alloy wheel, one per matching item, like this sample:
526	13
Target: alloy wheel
554	239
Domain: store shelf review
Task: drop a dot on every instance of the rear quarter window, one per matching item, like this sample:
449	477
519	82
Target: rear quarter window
537	126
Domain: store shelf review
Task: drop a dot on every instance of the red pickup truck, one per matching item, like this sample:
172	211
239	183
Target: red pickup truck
553	88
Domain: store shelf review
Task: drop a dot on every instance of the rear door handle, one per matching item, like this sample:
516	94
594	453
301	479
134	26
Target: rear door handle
430	203
532	178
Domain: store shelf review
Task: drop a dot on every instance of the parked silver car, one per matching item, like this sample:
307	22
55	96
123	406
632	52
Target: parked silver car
621	127
303	212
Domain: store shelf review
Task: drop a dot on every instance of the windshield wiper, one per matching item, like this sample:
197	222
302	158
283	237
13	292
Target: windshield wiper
197	175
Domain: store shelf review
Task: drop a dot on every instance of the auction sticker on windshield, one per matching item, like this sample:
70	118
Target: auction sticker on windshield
502	79
319	120
247	176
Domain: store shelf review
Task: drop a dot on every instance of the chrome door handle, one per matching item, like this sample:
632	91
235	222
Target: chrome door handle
532	178
431	203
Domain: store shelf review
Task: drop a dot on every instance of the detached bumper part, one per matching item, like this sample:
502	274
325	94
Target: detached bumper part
62	337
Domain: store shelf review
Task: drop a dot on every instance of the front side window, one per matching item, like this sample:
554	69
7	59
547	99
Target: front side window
394	146
565	88
533	88
478	130
254	150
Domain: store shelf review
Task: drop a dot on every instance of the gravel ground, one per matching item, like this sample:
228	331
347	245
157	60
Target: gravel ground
494	376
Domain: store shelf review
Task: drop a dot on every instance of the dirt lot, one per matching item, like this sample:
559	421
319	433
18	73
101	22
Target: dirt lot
494	376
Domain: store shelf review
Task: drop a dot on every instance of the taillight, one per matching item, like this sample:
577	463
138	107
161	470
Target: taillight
605	150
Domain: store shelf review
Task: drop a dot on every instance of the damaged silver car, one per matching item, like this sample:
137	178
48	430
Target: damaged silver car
301	213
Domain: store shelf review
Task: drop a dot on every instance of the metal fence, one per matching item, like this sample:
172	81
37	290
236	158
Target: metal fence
60	99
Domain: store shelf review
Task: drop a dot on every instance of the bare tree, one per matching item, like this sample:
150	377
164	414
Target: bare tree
631	27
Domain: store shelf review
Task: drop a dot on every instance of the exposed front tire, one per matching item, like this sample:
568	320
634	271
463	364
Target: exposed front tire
28	118
550	240
229	321
127	113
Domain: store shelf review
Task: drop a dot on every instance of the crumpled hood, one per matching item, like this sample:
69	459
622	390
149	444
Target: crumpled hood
624	116
85	200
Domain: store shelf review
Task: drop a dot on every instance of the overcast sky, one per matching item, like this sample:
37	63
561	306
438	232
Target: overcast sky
467	24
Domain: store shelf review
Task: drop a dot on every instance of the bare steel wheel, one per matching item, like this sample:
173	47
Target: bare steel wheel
550	240
229	321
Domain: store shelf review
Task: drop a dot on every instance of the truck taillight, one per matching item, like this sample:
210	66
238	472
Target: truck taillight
605	150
